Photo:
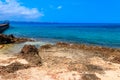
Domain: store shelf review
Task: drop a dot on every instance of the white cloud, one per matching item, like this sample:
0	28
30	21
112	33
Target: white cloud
12	8
56	7
59	7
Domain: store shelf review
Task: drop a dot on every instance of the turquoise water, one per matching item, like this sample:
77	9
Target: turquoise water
95	34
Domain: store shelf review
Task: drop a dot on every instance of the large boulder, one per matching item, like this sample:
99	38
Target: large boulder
29	49
31	54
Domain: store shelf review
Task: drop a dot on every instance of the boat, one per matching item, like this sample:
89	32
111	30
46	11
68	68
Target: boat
4	26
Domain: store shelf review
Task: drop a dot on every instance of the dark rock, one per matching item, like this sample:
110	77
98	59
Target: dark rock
29	49
47	46
12	68
62	44
116	59
95	68
4	39
77	67
90	77
31	54
11	36
7	39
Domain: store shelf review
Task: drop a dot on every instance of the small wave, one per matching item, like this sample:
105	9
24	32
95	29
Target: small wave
39	43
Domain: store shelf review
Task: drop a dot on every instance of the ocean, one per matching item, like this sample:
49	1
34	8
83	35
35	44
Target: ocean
103	34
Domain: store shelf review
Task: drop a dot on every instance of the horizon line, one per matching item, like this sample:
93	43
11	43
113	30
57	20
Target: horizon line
63	22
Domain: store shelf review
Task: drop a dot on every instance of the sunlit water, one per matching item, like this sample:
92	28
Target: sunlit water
95	34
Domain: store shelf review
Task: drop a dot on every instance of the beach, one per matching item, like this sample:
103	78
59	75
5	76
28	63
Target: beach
40	51
60	40
60	61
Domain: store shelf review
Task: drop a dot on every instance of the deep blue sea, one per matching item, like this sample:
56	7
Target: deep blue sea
85	33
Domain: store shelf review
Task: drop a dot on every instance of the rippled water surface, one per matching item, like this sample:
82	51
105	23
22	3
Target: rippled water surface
96	34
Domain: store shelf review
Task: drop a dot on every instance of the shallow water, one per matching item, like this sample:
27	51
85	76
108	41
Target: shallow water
95	34
16	48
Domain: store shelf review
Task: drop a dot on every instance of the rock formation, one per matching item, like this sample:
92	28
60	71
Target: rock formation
31	54
7	39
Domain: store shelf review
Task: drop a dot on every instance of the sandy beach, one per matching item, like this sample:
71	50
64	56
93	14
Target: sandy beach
63	61
60	40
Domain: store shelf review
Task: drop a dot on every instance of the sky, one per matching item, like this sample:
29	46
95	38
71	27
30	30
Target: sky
76	11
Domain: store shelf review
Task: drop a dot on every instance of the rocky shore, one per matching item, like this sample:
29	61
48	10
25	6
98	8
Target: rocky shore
7	39
60	61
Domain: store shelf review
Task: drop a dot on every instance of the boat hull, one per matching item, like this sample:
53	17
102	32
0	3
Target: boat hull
3	27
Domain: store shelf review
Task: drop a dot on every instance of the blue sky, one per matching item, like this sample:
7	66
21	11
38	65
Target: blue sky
80	11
